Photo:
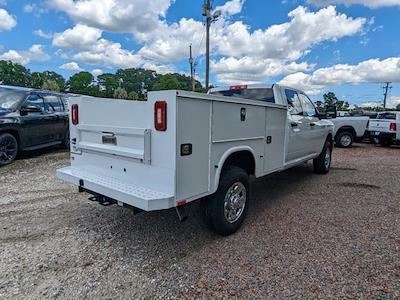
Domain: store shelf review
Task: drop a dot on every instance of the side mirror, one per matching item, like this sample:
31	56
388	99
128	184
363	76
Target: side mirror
30	109
331	111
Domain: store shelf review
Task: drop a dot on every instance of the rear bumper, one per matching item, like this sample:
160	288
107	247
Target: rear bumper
131	194
383	135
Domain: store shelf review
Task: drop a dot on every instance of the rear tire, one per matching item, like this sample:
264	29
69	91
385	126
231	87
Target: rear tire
322	163
344	139
66	141
8	149
385	142
226	210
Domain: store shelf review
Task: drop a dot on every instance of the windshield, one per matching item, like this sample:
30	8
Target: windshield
265	94
9	100
387	116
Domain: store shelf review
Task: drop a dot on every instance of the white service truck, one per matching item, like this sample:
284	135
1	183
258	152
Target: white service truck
179	146
386	128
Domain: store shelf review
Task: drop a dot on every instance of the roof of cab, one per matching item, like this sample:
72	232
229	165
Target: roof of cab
31	90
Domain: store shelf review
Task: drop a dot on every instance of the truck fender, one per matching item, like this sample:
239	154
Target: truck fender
223	159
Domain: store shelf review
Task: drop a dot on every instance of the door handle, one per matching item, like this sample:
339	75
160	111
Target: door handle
294	124
313	124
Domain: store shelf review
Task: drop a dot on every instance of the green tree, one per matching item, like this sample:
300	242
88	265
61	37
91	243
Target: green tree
82	83
330	98
136	80
133	96
107	83
167	82
120	93
398	107
14	74
50	85
39	78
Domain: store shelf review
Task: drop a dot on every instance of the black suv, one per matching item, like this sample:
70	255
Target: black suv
29	120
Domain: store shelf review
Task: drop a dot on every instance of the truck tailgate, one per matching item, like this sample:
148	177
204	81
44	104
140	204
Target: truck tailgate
117	152
380	125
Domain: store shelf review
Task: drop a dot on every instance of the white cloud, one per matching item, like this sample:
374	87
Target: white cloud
171	43
136	16
231	7
7	21
370	71
159	68
14	56
289	40
109	54
34	53
37	53
252	70
97	72
28	8
77	38
368	3
71	66
43	34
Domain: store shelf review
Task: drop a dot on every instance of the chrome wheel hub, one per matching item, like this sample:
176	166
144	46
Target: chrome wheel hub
345	140
327	159
235	202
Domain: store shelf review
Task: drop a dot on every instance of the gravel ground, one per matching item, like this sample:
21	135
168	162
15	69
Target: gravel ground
306	236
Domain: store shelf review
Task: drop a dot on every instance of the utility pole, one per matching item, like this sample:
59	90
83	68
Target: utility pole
207	8
192	70
386	89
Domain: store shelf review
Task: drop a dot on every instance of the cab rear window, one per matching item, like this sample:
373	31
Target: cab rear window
266	95
387	116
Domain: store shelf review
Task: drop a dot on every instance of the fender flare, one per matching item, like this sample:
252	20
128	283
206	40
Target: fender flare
223	159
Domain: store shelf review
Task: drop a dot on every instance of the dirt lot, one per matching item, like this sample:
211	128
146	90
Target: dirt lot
306	236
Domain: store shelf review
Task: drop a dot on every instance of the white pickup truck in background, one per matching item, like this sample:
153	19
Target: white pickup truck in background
348	130
178	147
386	128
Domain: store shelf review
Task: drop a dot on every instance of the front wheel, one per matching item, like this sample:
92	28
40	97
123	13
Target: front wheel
322	163
344	139
8	149
227	208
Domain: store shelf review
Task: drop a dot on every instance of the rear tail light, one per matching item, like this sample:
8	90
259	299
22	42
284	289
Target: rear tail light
393	126
160	115
75	114
238	87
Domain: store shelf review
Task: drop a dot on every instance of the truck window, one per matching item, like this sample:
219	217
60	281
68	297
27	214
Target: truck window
387	116
266	94
308	107
294	102
35	100
53	103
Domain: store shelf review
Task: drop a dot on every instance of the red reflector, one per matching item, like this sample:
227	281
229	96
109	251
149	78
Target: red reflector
75	114
160	115
181	203
238	87
393	126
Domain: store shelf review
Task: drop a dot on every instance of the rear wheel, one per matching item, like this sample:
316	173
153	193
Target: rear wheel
227	208
8	148
322	163
385	142
66	142
344	139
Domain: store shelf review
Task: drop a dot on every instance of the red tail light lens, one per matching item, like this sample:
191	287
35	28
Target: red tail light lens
75	114
238	87
160	115
393	126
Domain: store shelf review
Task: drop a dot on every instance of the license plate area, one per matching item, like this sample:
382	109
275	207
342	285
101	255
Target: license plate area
109	139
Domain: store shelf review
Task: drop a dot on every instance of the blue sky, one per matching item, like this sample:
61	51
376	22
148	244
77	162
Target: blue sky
316	45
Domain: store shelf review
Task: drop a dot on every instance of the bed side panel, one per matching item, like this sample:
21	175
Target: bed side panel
193	127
